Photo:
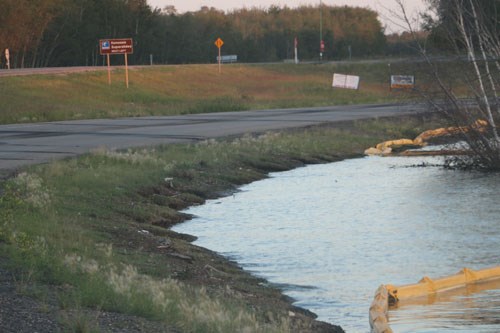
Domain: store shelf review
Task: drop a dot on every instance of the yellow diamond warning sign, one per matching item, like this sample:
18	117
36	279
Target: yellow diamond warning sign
219	42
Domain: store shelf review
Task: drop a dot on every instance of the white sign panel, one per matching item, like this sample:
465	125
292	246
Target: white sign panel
345	81
228	58
402	81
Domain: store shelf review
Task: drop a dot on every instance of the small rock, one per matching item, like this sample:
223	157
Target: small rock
164	242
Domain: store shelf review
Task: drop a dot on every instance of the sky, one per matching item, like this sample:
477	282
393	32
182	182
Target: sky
381	6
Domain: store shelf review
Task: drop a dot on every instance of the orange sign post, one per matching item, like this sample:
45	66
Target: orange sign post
219	42
109	69
116	46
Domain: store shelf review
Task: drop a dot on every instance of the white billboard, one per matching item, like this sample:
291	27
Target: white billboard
345	81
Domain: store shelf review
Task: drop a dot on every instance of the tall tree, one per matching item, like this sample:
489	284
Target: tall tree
470	29
22	26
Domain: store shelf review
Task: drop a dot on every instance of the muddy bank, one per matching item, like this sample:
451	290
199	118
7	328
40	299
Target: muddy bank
201	267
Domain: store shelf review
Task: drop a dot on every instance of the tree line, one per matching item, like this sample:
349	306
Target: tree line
42	33
467	88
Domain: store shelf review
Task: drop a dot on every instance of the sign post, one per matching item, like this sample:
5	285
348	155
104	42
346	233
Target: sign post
116	46
296	49
7	58
219	42
109	69
126	69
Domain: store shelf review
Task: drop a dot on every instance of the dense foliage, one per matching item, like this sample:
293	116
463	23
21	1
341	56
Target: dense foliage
443	26
66	32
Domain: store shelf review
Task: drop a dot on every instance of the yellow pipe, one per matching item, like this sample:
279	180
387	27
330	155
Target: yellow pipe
387	147
428	286
388	294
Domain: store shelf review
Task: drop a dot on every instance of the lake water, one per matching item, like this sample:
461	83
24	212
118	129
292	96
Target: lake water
330	234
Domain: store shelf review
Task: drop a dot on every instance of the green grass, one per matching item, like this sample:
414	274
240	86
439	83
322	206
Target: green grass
71	223
173	90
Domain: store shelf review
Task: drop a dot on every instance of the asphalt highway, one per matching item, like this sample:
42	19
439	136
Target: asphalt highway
51	70
25	144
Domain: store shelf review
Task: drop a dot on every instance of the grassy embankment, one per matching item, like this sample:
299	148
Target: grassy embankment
169	90
72	231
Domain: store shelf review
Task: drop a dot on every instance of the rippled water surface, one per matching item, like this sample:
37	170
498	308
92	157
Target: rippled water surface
331	234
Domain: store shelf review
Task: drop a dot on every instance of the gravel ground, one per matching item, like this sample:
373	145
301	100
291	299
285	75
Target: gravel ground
20	313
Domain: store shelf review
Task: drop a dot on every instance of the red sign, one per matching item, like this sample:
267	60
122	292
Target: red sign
219	43
116	46
322	46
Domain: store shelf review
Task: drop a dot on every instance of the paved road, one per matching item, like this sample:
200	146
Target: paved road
51	70
24	144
